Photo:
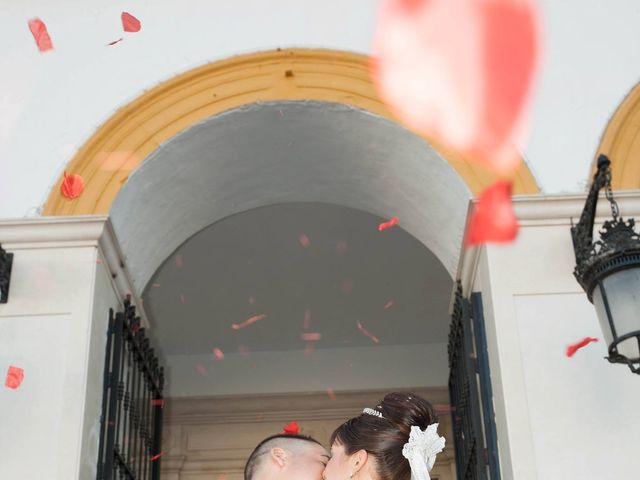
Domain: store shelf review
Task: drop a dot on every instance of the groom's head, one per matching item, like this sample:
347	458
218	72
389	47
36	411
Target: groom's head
286	457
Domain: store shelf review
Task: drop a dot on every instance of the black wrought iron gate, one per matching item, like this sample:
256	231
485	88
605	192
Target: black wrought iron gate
470	392
132	403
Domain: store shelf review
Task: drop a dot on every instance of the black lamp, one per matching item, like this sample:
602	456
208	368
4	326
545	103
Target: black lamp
609	271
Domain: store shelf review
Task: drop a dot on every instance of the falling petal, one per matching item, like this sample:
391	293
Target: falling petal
304	240
130	23
158	402
156	285
40	34
389	224
461	72
388	305
15	376
248	321
572	349
114	42
492	218
331	393
179	262
155	457
72	186
291	428
367	333
311	337
218	353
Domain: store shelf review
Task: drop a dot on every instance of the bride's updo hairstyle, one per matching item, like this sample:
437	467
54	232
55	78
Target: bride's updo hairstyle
385	437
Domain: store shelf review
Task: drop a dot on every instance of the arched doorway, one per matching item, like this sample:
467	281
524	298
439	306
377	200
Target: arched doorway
286	161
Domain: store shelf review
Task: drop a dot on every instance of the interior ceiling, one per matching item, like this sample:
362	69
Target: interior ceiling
289	261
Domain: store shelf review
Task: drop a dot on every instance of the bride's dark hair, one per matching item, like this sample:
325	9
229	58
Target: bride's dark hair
384	437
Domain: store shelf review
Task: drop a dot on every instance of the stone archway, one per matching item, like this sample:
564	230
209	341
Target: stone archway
135	131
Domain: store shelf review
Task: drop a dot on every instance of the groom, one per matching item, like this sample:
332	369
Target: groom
287	457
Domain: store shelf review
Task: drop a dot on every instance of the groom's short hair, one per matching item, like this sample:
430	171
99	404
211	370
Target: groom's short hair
286	441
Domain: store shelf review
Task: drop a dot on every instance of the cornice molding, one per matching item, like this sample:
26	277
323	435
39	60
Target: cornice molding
73	232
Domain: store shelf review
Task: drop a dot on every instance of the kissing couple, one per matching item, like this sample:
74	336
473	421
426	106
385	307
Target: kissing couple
396	440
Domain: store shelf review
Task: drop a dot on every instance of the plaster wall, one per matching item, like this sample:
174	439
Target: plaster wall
54	328
61	97
557	417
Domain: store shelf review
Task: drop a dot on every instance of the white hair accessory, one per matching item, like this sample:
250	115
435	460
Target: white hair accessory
421	450
371	411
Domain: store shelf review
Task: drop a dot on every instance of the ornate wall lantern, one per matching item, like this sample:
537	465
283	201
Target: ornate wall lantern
609	272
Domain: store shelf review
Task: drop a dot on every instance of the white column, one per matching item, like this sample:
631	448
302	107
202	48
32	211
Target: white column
66	275
556	417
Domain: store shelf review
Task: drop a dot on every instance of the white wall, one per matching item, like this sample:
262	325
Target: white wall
52	103
54	327
557	417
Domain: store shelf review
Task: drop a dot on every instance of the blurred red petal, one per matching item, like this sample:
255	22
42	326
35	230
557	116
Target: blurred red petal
72	186
218	353
291	428
248	321
331	393
311	337
373	338
460	71
130	23
572	349
492	217
304	240
115	41
40	35
389	224
15	376
155	457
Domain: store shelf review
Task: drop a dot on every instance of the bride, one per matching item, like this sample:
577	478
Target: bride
396	440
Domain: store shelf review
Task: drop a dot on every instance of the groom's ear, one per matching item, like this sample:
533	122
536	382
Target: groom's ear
279	456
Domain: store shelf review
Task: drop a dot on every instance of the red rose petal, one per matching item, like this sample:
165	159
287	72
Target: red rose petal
291	428
492	218
115	41
460	71
15	376
130	23
248	321
158	402
388	305
72	186
155	457
389	224
572	349
40	34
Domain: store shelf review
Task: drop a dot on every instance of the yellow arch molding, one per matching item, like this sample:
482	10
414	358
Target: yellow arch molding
621	143
137	129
